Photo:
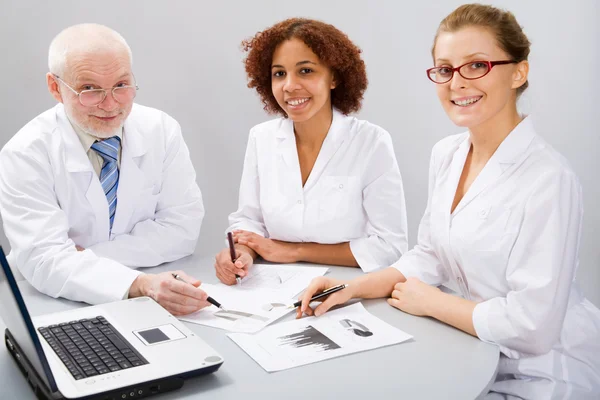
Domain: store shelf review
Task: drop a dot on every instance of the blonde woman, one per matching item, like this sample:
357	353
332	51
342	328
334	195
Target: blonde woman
503	222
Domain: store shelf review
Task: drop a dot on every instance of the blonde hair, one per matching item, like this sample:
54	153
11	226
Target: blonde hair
503	24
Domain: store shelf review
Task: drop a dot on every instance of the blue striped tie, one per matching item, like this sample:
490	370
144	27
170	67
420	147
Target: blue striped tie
109	175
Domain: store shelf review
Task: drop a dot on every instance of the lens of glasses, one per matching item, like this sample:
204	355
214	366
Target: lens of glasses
124	94
474	70
440	75
96	96
92	97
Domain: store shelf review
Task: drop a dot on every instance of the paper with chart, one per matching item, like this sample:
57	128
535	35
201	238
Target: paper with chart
304	341
262	297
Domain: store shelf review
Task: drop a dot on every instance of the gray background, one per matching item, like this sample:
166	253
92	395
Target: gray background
187	61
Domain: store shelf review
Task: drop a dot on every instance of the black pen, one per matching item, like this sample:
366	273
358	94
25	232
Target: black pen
238	278
322	294
209	299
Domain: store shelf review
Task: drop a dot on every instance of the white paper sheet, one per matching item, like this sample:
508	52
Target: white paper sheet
343	331
262	297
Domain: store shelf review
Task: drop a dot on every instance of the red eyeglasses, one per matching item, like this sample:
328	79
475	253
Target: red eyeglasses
471	70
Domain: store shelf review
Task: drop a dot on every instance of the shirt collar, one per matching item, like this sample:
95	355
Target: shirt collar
516	143
88	140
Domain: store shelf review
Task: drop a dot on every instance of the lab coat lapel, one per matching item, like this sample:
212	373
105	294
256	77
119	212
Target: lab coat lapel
288	166
82	174
511	150
131	178
456	166
488	175
447	192
333	141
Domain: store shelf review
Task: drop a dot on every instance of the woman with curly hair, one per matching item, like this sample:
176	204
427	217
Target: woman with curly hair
318	185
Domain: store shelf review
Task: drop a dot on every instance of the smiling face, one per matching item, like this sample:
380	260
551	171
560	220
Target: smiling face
301	84
471	103
97	70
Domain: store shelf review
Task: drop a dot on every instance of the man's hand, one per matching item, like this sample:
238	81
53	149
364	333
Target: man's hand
179	298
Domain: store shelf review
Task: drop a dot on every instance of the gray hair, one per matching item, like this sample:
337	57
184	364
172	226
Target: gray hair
82	38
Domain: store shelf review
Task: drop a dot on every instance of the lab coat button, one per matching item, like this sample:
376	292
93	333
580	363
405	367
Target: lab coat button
483	213
299	201
341	186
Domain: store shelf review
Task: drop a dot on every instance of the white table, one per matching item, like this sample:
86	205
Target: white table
439	363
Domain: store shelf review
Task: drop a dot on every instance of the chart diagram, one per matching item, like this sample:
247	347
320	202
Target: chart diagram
308	337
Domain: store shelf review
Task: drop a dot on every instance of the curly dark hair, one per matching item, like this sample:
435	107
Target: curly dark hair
333	48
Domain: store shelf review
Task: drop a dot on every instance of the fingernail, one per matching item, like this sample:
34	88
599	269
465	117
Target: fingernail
317	313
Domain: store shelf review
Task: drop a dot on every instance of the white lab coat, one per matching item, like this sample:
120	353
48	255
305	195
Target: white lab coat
353	194
512	245
51	200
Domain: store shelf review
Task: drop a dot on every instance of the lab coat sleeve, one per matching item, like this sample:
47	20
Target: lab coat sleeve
37	230
383	202
422	261
174	231
248	216
540	271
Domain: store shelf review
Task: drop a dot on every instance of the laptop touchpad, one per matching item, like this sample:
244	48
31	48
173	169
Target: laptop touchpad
159	334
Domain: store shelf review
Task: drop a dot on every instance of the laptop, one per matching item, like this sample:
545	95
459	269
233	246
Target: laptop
127	349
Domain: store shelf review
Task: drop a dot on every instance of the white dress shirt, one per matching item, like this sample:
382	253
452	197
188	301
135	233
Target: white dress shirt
88	140
353	194
512	245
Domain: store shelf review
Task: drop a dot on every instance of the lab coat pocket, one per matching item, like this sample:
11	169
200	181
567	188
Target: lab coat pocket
490	228
339	196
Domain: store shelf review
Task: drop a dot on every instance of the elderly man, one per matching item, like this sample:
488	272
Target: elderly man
99	185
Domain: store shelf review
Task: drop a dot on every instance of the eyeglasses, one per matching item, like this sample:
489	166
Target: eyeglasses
471	70
93	97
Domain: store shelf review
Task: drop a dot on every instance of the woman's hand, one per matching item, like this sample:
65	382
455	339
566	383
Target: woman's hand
414	297
317	286
269	249
226	270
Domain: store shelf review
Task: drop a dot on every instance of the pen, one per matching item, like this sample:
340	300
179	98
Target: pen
322	294
209	299
238	278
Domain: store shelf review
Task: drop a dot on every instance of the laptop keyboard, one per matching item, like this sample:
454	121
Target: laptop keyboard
91	347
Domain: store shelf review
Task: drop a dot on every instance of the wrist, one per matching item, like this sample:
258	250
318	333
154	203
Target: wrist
240	248
298	252
138	287
354	287
432	303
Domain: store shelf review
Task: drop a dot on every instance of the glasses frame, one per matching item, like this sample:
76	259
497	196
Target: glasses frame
112	91
490	64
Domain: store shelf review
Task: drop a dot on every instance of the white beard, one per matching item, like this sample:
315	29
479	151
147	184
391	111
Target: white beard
92	132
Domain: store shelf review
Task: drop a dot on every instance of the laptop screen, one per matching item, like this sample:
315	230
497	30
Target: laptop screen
17	320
